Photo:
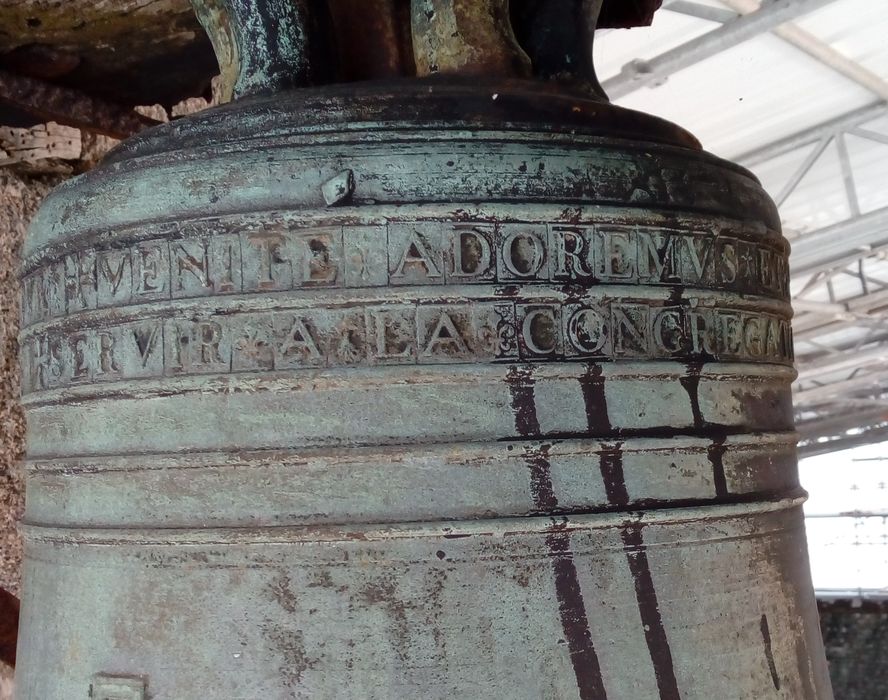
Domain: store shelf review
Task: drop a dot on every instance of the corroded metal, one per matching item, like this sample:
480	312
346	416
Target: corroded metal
558	37
372	39
267	45
444	388
468	37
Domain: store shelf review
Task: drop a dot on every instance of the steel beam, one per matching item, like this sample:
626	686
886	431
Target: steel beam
811	447
813	134
820	51
843	361
643	73
820	394
700	11
825	248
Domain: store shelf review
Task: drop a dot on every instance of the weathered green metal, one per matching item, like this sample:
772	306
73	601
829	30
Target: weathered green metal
267	45
443	388
558	36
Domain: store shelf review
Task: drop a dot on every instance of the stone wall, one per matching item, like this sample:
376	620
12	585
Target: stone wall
856	641
19	197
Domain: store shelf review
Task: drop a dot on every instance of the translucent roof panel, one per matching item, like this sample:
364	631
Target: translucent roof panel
856	28
805	106
739	99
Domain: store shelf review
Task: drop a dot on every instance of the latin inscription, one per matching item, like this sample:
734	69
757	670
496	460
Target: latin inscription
275	257
401	333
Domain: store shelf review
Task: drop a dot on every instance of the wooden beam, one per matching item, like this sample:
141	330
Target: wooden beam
9	621
70	107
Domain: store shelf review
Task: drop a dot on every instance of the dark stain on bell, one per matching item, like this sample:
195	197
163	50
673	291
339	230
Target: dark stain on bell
649	607
769	652
691	384
574	622
611	464
716	452
571	605
595	401
521	390
541	489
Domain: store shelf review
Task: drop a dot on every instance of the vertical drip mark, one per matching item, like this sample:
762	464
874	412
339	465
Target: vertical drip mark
649	607
571	606
595	400
716	452
769	652
541	490
521	383
611	463
691	384
574	622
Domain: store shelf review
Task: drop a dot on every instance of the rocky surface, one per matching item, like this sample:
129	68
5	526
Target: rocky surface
19	197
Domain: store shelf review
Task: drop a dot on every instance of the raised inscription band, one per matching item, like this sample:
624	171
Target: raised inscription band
279	256
599	324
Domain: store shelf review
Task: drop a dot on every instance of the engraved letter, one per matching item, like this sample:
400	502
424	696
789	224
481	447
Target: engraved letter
394	334
210	335
471	254
729	263
629	327
618	255
151	269
539	331
698	264
79	346
668	330
146	340
107	362
446	336
200	268
568	250
701	333
752	336
523	254
587	330
416	254
318	266
655	262
269	246
299	341
731	333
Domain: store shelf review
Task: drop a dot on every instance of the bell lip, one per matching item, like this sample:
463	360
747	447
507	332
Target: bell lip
436	102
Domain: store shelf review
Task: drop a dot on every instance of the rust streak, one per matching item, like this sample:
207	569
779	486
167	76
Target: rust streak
541	488
769	652
571	606
716	452
649	607
592	386
574	622
521	383
611	463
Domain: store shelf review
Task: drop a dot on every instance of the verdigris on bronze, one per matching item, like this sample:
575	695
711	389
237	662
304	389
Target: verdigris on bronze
454	387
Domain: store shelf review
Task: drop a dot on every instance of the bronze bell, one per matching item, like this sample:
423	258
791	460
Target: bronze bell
453	381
